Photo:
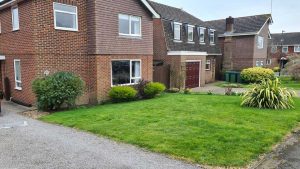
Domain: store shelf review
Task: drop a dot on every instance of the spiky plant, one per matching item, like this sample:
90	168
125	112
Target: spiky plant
269	95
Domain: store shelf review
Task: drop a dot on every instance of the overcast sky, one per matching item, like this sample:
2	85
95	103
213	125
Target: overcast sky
286	13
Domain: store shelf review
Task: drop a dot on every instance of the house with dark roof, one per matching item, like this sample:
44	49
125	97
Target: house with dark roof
243	41
106	43
282	45
185	44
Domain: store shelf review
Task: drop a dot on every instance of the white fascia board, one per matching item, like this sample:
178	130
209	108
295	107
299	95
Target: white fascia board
149	7
186	53
237	34
218	54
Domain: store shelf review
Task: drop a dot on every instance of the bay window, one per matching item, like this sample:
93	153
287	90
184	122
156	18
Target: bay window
126	72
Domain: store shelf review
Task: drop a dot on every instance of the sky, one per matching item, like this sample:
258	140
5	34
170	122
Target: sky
285	13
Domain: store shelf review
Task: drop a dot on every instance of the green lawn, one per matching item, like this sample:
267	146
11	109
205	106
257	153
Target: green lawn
289	83
212	130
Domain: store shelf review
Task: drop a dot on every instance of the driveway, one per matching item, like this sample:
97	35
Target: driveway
27	143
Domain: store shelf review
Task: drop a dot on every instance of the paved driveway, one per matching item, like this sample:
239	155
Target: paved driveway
27	143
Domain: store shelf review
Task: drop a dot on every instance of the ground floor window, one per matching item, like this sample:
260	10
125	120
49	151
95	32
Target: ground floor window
208	65
126	72
259	63
269	62
17	67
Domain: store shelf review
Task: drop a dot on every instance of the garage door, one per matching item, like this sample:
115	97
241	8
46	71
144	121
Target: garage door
192	74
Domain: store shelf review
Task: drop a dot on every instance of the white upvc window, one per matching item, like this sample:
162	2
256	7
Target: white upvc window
191	33
260	42
297	48
274	49
269	62
285	49
15	18
130	25
17	69
212	36
202	35
259	63
126	72
177	31
208	65
65	17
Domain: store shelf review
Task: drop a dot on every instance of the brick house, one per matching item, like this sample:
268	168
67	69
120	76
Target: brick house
243	41
186	46
282	45
105	42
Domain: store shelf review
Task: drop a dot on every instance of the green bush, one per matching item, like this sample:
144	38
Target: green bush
55	90
270	95
257	74
152	89
122	93
276	69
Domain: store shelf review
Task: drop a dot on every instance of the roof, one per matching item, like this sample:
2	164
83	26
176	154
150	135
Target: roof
291	38
243	25
176	14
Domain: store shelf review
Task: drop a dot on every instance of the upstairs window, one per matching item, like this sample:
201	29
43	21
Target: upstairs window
274	49
17	67
260	42
285	49
202	35
212	36
177	31
126	72
15	18
65	17
297	49
129	25
190	33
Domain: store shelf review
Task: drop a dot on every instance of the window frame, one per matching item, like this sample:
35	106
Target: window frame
180	30
274	49
191	30
65	12
130	72
268	61
212	34
130	34
297	51
260	39
13	18
208	62
285	47
15	73
202	41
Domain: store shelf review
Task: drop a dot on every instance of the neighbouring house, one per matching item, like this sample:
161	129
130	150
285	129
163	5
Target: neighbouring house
282	45
243	41
185	48
106	43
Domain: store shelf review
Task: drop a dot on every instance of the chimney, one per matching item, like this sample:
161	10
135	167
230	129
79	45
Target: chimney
229	24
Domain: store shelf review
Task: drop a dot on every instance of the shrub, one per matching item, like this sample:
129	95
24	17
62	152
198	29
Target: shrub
210	92
122	93
187	91
292	68
55	90
276	69
173	90
270	95
152	89
257	74
140	87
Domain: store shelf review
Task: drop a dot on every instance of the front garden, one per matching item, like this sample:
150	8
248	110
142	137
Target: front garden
206	129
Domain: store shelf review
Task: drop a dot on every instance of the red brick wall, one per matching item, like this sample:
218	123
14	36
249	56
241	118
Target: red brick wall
103	64
160	45
104	28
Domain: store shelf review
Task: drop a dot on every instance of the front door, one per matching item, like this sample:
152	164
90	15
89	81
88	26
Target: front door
192	75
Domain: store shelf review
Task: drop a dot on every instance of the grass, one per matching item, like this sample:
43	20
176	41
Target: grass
211	130
289	83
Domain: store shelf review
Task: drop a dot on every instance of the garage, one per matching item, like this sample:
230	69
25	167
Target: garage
192	75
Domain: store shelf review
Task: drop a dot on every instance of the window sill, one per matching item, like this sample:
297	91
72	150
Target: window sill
130	36
202	43
15	30
129	84
177	41
212	44
190	42
18	88
66	29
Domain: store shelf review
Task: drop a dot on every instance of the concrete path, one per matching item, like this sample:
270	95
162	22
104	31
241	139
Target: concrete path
27	143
